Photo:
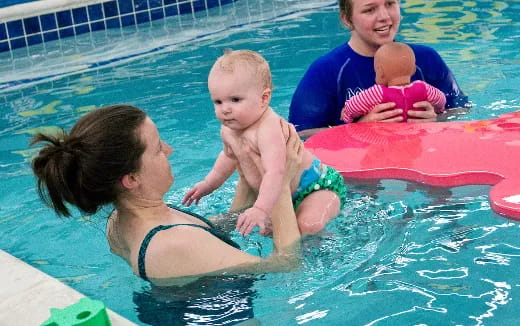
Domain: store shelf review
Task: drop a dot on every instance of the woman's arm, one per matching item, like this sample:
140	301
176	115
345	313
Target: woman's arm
191	251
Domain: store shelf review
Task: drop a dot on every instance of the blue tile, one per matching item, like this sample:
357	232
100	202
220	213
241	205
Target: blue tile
34	39
155	3
32	25
64	18
95	12
110	8
66	32
18	43
81	29
140	5
142	17
50	36
48	22
169	2
80	15
97	26
113	23
3	32
171	10
157	14
185	8
128	20
15	28
199	5
125	6
4	46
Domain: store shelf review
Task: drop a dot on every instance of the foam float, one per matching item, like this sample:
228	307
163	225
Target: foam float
436	153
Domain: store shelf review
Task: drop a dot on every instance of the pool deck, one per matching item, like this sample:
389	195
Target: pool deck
28	294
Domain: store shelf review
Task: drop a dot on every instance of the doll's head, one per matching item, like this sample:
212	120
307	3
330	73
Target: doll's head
394	64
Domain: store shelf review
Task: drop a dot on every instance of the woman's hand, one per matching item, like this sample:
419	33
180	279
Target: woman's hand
294	151
425	114
384	112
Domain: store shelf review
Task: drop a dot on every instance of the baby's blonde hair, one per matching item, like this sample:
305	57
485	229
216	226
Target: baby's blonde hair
251	60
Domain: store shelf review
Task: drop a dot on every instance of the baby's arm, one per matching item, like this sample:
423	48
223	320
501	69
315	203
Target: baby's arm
436	98
222	169
362	103
271	145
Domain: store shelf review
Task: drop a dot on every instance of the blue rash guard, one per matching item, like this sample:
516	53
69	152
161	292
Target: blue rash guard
342	73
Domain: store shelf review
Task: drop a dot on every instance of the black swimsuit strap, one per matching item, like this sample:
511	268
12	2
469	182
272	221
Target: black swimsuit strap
148	238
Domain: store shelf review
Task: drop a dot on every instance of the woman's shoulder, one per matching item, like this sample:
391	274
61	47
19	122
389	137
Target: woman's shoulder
421	50
335	57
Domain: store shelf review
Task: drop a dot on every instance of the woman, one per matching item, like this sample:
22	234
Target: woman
114	155
349	69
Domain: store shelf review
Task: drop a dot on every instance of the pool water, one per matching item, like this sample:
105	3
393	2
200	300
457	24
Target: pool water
400	253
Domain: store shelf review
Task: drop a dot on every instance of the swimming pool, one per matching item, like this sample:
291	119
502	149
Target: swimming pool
400	254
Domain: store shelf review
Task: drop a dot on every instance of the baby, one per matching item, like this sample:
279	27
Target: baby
394	64
240	86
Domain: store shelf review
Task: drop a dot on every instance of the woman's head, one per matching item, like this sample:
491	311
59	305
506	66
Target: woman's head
84	167
371	22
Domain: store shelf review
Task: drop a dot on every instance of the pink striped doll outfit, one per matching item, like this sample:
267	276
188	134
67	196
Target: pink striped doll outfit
403	96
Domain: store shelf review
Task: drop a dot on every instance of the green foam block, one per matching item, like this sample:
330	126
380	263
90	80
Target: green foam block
86	312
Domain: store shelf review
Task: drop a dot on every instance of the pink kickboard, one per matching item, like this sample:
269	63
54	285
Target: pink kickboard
436	153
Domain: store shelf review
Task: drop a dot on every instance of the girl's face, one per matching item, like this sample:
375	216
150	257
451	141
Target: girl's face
238	98
373	23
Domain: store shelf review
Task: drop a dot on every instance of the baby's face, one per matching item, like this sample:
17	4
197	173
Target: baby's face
236	96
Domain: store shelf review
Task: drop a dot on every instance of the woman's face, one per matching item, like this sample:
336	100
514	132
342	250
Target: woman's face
155	176
373	23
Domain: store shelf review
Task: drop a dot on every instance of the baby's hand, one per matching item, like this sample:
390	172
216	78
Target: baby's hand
200	190
252	217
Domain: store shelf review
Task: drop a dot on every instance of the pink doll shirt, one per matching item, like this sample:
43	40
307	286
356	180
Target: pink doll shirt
403	96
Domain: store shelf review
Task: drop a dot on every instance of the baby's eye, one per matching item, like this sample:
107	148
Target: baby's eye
235	100
217	102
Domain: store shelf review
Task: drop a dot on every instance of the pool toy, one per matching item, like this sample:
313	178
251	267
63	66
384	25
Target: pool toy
436	153
86	312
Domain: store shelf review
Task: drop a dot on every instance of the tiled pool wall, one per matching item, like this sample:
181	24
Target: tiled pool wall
48	20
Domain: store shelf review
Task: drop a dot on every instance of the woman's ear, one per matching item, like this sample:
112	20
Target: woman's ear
129	181
346	21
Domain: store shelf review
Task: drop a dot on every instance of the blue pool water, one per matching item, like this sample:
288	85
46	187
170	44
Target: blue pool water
7	3
400	253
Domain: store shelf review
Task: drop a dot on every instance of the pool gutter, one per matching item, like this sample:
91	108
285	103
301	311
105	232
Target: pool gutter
28	294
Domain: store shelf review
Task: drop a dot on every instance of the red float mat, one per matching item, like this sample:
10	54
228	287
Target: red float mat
436	153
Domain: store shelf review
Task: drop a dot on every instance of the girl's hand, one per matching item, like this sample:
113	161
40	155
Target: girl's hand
384	112
426	114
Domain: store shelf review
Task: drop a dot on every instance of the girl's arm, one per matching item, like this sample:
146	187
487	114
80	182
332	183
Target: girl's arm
222	169
271	146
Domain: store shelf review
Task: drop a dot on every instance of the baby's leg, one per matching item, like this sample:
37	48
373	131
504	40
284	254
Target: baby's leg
316	210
